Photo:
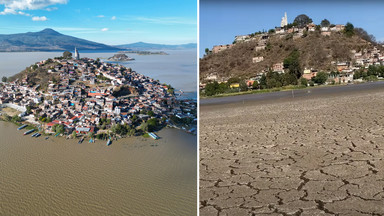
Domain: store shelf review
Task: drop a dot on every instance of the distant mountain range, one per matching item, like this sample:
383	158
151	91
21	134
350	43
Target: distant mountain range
51	40
47	40
150	46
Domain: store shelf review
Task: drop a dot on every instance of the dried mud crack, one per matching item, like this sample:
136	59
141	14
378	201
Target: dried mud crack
322	156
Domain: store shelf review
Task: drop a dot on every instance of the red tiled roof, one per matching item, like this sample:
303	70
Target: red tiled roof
95	94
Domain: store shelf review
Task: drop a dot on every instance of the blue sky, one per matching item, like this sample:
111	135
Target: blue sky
111	22
221	21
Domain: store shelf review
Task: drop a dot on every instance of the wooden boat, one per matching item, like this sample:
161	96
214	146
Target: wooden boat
81	140
22	126
109	142
28	132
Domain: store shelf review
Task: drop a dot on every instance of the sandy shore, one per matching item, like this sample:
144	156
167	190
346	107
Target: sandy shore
307	156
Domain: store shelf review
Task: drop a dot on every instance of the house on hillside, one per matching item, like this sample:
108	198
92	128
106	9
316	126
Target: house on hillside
309	73
278	67
257	59
342	66
220	48
240	38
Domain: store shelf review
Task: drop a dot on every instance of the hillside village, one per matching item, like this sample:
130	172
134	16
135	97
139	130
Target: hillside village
92	97
340	70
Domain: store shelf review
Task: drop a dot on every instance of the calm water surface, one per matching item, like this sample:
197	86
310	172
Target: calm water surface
133	176
178	68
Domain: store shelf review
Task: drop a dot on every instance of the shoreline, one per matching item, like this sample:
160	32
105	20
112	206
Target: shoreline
113	137
320	91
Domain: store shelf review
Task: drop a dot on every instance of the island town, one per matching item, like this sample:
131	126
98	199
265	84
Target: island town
359	62
84	97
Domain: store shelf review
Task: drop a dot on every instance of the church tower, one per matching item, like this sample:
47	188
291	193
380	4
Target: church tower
284	20
77	55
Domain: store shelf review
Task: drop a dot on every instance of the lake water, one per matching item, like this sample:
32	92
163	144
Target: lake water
133	176
179	68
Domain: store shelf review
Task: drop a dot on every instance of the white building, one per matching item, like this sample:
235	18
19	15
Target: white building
77	55
284	20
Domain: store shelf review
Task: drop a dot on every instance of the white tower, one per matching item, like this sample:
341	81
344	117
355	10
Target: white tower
284	20
77	55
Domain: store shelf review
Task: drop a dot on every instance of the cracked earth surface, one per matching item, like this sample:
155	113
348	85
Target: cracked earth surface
320	156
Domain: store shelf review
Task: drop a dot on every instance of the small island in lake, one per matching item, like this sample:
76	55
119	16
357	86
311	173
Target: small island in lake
83	97
120	57
145	52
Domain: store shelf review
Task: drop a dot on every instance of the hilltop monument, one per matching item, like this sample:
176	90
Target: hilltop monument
77	55
284	20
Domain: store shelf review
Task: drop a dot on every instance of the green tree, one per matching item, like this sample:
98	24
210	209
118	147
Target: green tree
372	70
74	134
4	79
60	128
243	86
325	23
222	88
302	20
144	126
152	124
29	110
349	30
211	88
364	35
263	81
320	78
132	132
16	118
233	80
49	61
289	79
150	113
255	85
293	64
134	118
273	83
206	51
303	81
67	55
91	134
371	78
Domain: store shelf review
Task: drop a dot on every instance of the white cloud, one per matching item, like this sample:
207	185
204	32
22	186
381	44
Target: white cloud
104	29
113	18
166	20
36	18
15	6
100	16
24	14
51	8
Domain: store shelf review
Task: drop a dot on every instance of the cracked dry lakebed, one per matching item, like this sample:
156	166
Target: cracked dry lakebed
320	155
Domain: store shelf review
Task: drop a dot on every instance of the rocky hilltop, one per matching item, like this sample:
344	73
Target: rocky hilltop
120	57
318	48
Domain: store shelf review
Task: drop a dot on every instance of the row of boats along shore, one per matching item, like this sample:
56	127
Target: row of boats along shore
91	140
